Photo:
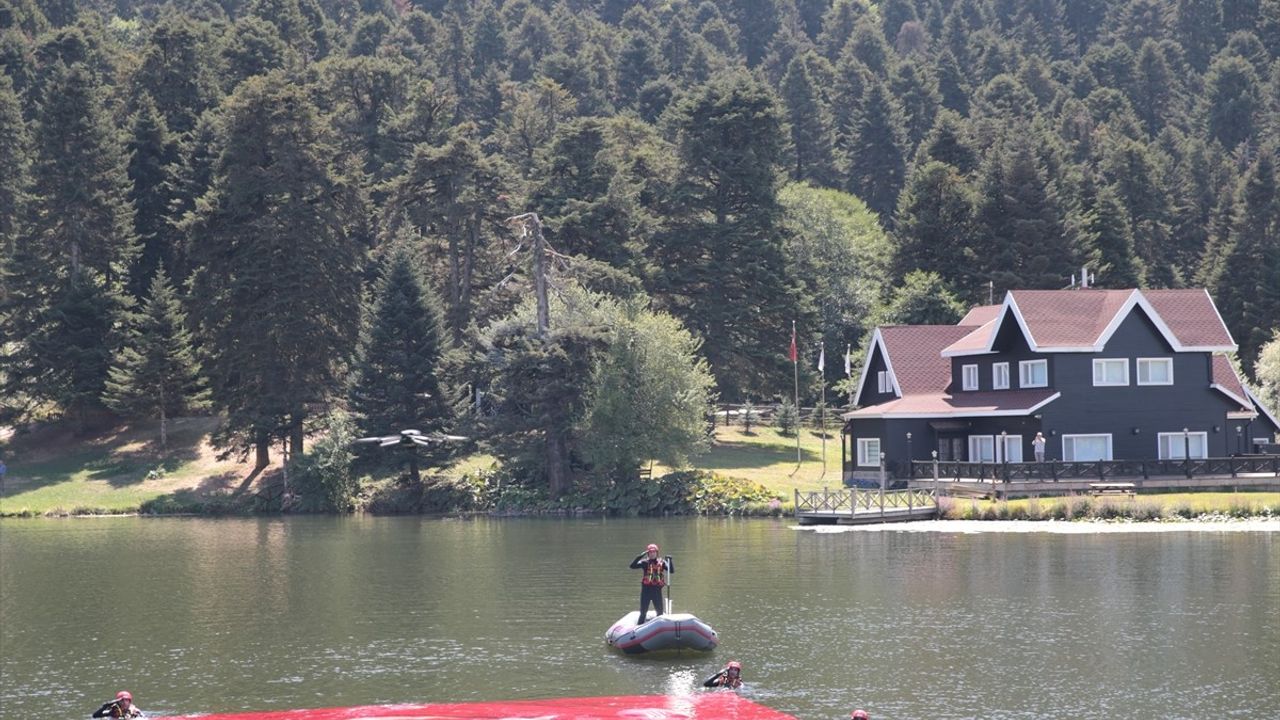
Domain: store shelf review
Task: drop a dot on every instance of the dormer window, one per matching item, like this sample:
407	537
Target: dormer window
1033	374
970	377
1110	372
1000	376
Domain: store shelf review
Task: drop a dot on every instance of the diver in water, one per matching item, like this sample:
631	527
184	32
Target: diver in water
651	582
121	707
730	677
859	715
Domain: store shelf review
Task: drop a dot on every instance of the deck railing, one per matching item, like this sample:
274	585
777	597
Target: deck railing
852	500
1057	470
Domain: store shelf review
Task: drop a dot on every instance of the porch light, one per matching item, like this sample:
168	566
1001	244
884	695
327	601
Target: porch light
1136	429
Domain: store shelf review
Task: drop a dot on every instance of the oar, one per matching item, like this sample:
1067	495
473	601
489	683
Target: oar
671	571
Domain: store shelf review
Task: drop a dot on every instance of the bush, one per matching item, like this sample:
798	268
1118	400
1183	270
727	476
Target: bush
322	479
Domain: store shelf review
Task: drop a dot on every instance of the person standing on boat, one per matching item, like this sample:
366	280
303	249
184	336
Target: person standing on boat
121	707
730	677
651	582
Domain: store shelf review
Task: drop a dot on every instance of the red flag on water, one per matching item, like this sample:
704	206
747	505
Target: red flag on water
792	355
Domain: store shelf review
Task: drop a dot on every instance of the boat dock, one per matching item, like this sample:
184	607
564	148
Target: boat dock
857	506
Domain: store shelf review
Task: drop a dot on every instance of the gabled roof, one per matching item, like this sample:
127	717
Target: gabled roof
1084	320
980	315
913	357
1223	378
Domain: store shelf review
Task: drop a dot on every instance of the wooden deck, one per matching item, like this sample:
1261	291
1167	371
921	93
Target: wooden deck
855	506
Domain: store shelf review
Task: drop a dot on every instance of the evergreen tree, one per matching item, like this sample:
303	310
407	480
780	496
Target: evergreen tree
253	47
934	226
397	383
152	166
1109	241
1155	92
637	65
68	267
812	127
948	142
1247	289
1027	245
174	73
875	163
1134	172
276	288
155	373
15	181
721	254
1232	97
1198	29
917	90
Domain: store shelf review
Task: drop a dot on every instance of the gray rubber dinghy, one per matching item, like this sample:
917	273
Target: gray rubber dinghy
676	631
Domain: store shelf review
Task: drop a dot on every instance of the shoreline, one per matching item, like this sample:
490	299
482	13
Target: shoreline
1257	524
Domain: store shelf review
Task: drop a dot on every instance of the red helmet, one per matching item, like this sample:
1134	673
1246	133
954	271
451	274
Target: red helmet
860	715
734	665
651	548
124	695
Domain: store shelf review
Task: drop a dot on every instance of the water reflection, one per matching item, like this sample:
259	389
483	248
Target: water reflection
220	615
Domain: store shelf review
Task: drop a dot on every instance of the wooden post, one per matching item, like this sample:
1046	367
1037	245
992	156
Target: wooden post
882	483
935	475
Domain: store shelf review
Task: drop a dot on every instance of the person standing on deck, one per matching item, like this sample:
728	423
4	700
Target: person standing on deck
1038	446
651	582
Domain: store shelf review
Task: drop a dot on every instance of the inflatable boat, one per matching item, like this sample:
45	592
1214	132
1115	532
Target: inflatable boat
673	631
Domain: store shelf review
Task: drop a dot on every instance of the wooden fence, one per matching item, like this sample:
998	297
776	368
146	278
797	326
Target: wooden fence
765	415
1056	470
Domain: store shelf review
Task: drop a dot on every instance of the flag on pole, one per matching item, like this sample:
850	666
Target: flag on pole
822	358
793	355
848	360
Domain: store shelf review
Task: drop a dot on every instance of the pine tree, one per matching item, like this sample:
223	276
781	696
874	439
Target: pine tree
949	142
15	181
917	91
1155	91
876	163
637	65
397	383
1027	244
155	373
1133	170
1198	29
934	225
1232	97
276	290
174	73
922	298
68	267
1109	241
812	127
253	47
721	253
1247	288
152	169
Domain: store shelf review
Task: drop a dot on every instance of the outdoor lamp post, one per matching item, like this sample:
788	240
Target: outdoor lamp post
1004	455
1186	449
1239	439
911	468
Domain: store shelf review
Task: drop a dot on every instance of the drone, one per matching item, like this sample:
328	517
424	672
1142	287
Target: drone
412	439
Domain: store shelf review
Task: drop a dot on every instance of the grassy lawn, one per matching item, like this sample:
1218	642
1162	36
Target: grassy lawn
53	471
769	458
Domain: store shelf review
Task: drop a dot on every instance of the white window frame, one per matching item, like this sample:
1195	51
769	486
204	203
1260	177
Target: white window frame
1071	456
999	382
1102	364
1178	442
1024	367
1003	443
969	377
975	456
866	458
882	381
1167	362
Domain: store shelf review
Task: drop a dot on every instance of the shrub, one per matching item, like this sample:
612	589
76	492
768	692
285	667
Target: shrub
788	418
322	478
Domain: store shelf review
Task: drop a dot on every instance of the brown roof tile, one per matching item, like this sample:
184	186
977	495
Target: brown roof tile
1068	318
960	404
1224	376
915	352
980	315
1191	317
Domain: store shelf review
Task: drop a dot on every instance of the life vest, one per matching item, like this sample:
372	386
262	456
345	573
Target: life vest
655	573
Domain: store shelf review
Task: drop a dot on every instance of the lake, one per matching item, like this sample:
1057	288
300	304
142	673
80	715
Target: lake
204	615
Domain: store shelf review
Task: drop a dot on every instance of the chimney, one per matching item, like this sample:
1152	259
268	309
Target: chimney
1084	277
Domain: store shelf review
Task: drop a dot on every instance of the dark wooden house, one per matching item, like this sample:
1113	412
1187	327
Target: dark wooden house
1103	374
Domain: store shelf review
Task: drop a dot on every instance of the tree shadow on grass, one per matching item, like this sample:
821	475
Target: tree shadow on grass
733	454
122	457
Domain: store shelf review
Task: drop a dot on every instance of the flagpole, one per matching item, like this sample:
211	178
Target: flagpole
822	416
795	367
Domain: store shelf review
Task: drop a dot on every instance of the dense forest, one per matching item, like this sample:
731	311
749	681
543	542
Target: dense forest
275	209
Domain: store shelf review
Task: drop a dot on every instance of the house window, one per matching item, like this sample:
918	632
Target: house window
868	452
1009	448
882	381
970	373
1000	376
1173	446
1033	373
1086	448
982	448
1155	371
1110	371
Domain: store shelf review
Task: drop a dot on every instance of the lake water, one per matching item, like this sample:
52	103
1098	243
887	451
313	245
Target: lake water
201	615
